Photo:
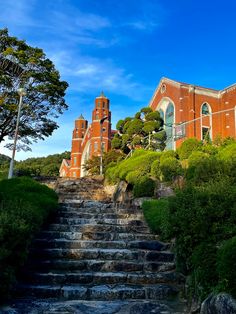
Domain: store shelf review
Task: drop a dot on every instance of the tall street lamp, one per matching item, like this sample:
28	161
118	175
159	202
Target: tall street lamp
101	146
21	93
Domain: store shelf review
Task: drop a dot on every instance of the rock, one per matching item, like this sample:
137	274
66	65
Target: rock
164	191
138	202
222	303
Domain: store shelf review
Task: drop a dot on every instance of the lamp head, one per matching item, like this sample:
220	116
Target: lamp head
21	91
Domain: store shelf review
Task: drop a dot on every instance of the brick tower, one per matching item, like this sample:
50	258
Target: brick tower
87	140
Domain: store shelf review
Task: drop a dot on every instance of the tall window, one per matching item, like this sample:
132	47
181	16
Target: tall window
95	146
205	109
103	146
206	122
162	114
169	121
75	161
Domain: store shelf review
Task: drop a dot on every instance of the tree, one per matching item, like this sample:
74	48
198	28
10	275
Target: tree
92	165
44	100
144	129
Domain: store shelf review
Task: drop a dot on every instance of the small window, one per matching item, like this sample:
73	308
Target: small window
103	146
99	103
95	146
75	160
74	174
103	129
103	105
205	109
82	125
96	117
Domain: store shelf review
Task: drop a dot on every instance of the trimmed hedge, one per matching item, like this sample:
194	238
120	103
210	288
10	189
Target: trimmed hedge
24	207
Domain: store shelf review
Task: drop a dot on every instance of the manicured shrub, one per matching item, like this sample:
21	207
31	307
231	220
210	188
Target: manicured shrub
133	176
155	169
24	207
187	147
144	186
170	168
226	266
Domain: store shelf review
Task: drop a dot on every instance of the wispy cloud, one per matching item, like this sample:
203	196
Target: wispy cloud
87	73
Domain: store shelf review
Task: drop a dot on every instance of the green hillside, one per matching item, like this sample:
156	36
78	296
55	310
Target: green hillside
40	166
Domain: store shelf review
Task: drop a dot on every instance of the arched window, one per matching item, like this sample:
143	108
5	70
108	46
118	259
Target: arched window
161	114
169	118
205	109
169	121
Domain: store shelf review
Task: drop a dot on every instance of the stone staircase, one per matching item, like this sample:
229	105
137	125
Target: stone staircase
75	190
96	258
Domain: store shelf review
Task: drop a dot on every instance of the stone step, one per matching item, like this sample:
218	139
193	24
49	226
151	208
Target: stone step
84	228
111	236
99	265
97	210
95	278
84	244
101	221
106	254
99	292
31	306
99	216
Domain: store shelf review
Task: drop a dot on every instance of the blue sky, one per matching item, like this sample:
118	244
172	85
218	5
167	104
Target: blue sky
124	47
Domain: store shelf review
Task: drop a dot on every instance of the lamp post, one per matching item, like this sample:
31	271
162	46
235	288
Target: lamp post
21	93
101	148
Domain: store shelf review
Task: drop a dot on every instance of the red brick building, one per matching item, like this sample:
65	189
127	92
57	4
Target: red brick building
87	139
194	111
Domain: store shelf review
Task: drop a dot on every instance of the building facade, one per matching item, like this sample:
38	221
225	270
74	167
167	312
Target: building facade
89	140
194	111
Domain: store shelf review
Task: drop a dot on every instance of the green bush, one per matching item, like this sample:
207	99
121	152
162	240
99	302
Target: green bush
155	169
140	161
144	186
226	266
170	168
24	206
204	276
203	168
187	147
156	213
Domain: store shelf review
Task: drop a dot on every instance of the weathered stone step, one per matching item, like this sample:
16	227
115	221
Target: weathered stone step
99	292
95	278
99	216
84	228
101	221
96	236
82	244
99	265
97	210
106	254
26	306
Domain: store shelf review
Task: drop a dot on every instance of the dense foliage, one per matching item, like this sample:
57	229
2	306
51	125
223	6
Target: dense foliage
92	165
201	216
44	100
34	167
145	129
24	206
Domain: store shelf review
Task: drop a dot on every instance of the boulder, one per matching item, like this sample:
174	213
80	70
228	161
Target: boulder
221	303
